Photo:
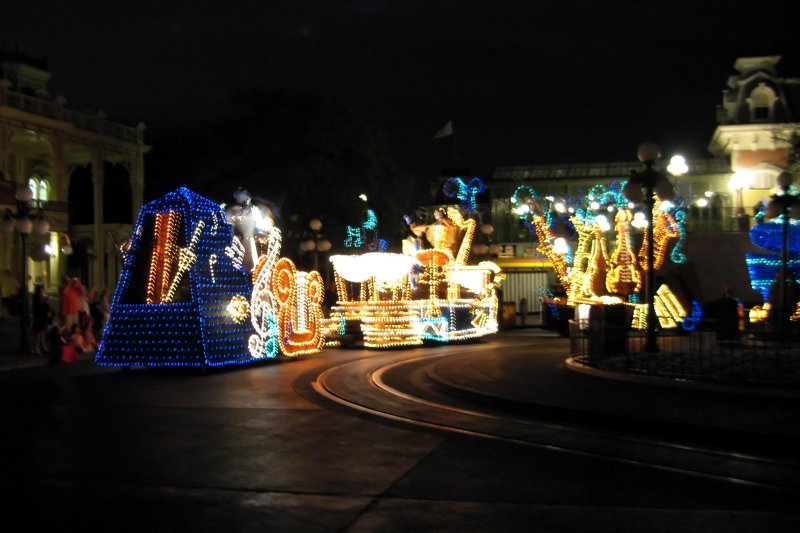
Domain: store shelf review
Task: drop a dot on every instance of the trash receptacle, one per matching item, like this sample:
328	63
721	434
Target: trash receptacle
608	330
509	315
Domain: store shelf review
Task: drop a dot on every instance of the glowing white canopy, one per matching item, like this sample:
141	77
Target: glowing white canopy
383	266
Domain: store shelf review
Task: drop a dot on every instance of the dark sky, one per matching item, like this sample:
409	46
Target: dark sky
524	82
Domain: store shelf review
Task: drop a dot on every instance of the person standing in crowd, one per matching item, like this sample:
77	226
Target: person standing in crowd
42	316
91	298
70	307
10	292
727	315
84	312
104	309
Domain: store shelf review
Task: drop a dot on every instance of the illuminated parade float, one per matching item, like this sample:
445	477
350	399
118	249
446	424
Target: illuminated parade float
194	293
424	294
765	269
591	275
206	286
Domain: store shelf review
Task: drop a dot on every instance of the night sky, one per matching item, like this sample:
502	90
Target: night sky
523	83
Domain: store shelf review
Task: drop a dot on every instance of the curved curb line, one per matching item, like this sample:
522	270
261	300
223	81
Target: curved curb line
659	425
776	392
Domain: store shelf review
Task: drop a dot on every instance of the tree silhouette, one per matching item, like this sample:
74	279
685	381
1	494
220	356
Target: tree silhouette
303	152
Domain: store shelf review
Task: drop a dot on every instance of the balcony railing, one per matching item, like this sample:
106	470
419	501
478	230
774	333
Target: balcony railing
53	109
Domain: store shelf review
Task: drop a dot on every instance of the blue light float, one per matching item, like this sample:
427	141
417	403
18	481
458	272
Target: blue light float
182	276
764	268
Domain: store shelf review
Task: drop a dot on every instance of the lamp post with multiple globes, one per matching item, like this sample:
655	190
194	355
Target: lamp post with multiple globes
24	221
316	242
784	204
643	186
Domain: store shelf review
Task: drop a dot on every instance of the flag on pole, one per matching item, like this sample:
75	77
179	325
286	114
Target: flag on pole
446	130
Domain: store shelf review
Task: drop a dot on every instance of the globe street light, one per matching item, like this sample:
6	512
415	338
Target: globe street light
25	222
784	203
316	242
740	180
643	185
677	165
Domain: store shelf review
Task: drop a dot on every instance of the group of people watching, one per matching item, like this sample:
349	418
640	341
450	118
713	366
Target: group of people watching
71	324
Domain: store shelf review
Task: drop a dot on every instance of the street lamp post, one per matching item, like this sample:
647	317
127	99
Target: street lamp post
784	203
26	222
316	243
643	185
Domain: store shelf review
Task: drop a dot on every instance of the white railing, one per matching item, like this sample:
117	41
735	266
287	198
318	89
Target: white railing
53	109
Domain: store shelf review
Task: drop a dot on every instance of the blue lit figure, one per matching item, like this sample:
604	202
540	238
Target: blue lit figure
763	268
192	325
466	193
690	322
357	236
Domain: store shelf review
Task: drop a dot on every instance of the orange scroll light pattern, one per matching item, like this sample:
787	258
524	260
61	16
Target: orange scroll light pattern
546	240
164	258
299	299
665	230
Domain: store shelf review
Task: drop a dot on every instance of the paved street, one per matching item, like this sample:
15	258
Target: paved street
352	440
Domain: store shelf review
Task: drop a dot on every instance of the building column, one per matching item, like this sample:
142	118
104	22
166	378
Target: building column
98	270
137	186
60	193
60	172
4	133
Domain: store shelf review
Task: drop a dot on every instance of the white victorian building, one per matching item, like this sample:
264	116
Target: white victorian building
86	174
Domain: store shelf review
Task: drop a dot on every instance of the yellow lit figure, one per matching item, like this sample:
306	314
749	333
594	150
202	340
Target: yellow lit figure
595	276
623	277
442	233
580	261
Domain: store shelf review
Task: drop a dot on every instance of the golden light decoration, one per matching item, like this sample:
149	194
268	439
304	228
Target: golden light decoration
581	258
467	225
531	209
164	256
239	309
594	279
665	230
385	308
186	259
758	313
299	300
624	277
669	310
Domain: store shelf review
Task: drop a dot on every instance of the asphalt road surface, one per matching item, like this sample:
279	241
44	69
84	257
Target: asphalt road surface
351	440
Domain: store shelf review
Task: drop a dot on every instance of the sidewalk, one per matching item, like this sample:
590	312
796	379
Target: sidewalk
535	378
